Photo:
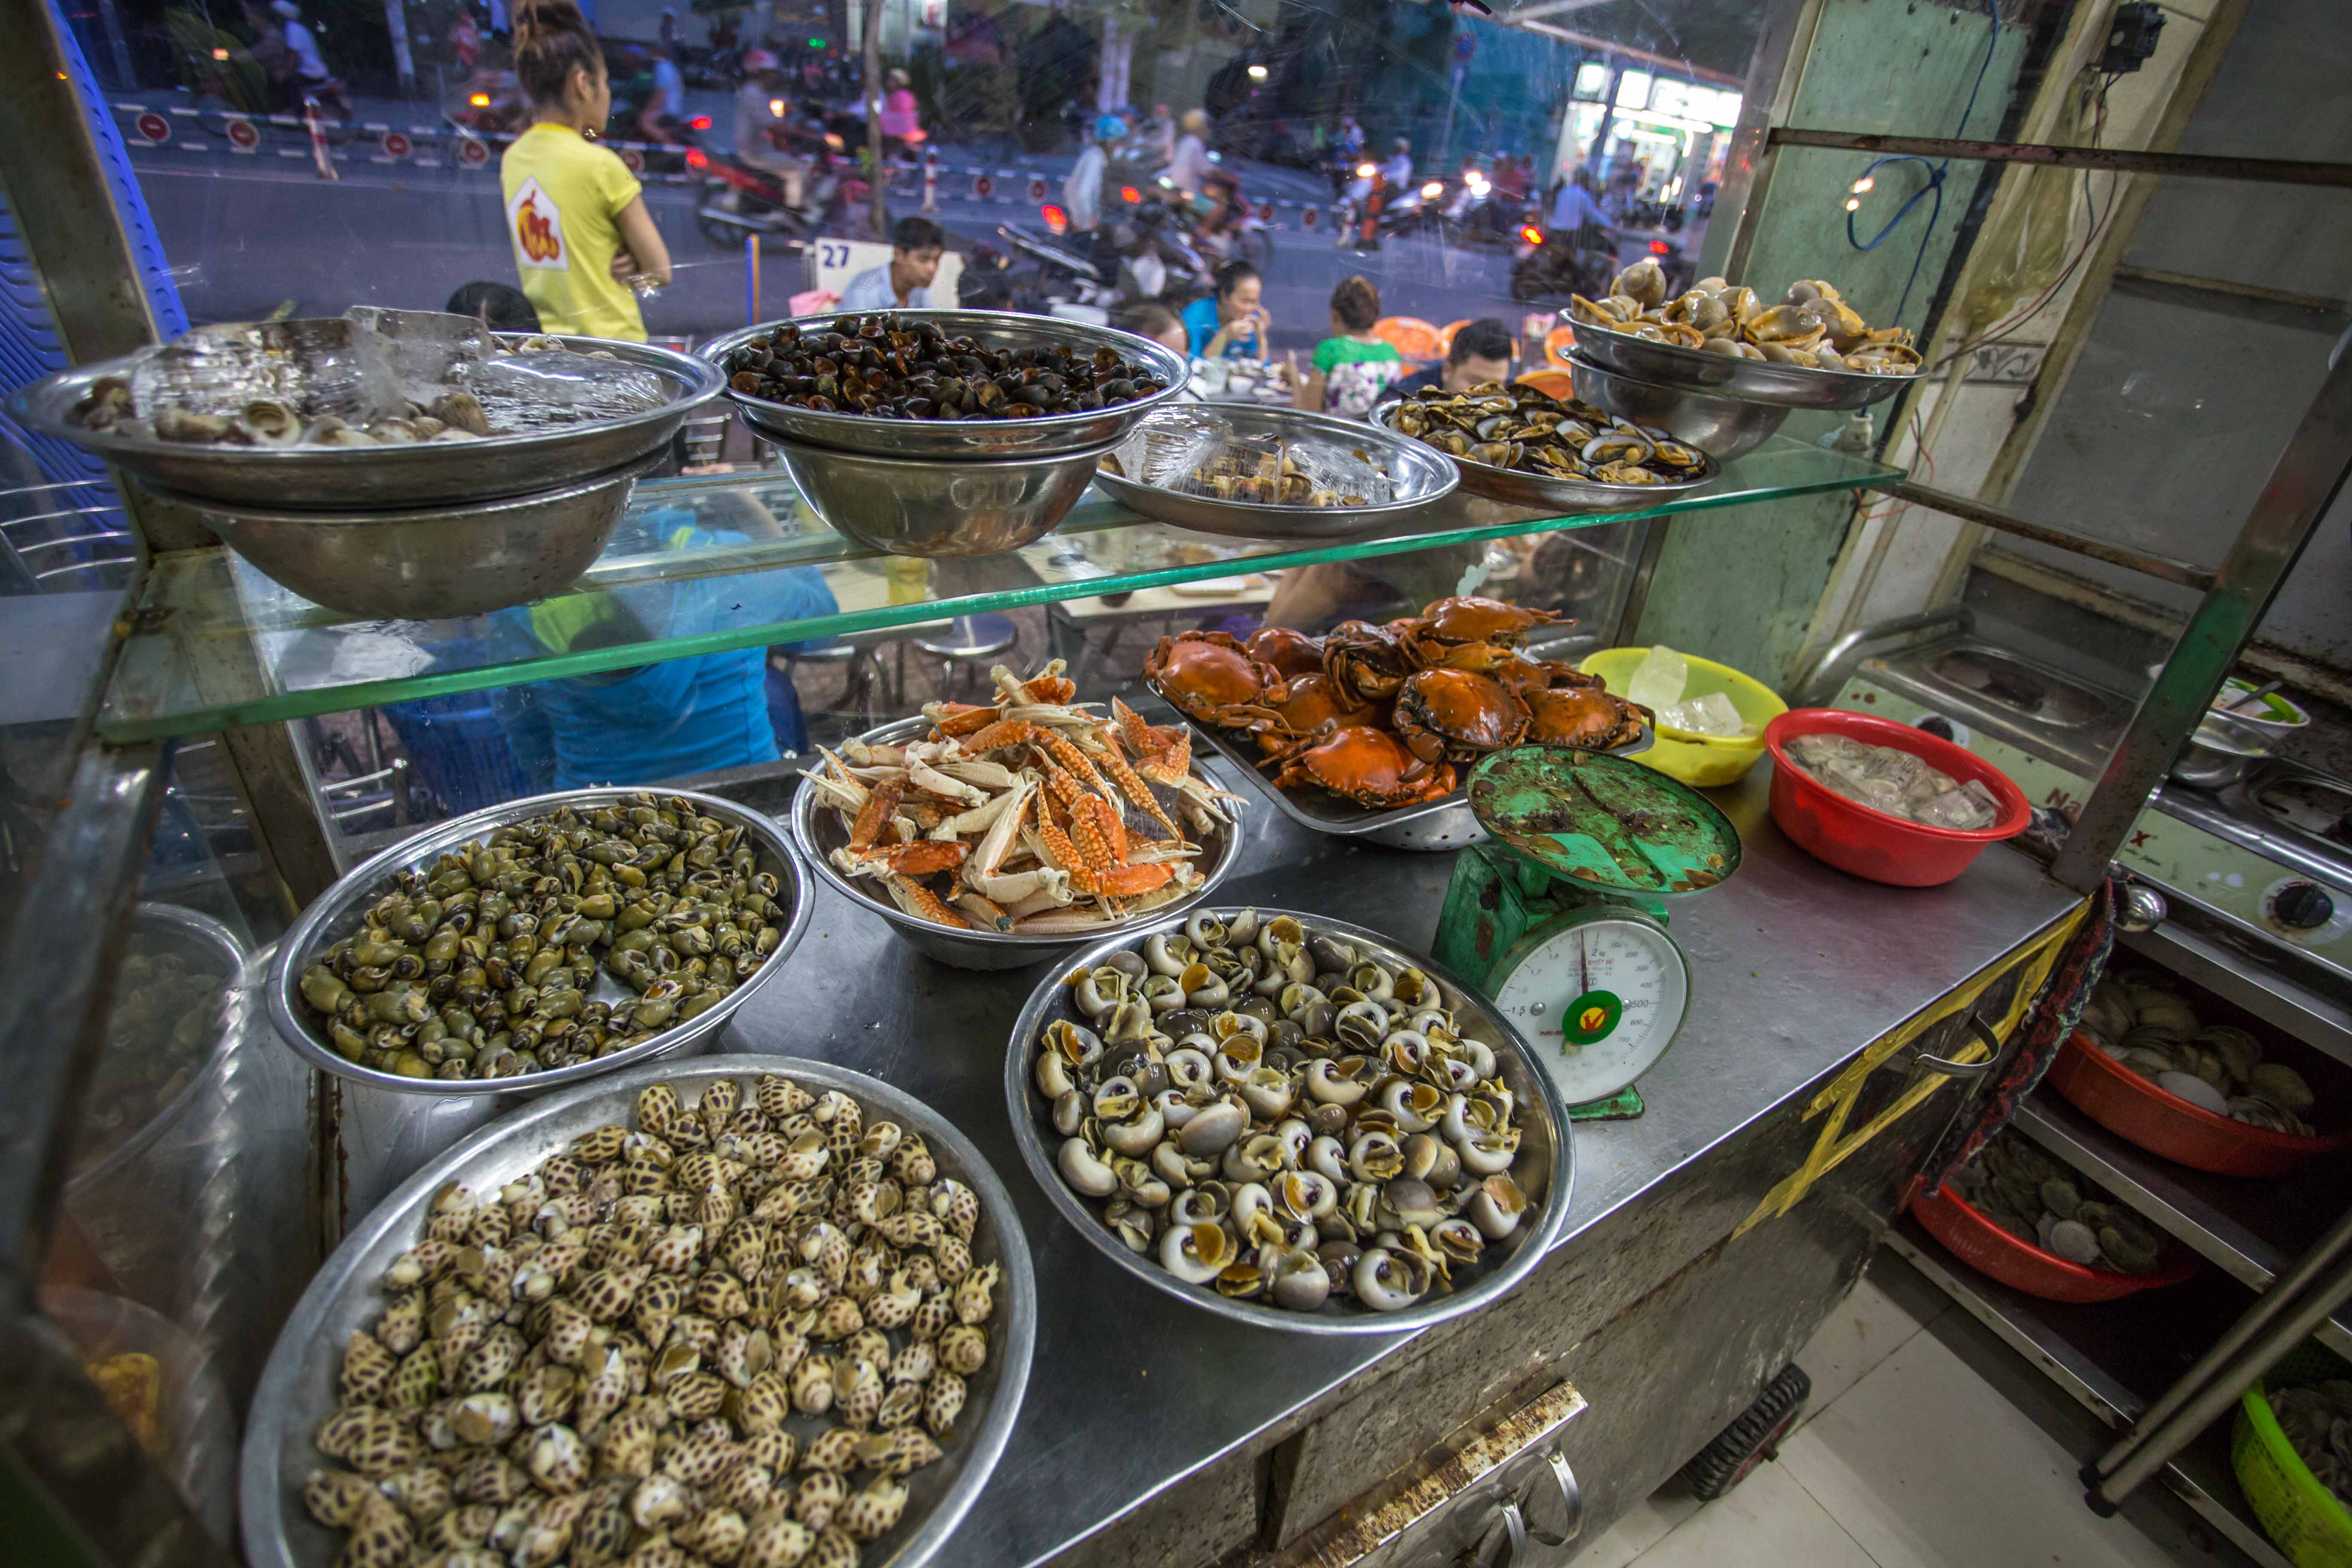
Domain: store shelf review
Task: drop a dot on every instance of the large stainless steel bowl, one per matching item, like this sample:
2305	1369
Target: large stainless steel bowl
340	910
431	563
1418	475
925	506
1723	427
1757	381
1520	488
1545	1169
297	1386
964	438
818	830
344	478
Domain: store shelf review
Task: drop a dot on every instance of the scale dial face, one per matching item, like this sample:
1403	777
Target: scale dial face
1600	995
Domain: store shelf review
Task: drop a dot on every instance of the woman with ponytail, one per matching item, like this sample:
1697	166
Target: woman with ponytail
574	213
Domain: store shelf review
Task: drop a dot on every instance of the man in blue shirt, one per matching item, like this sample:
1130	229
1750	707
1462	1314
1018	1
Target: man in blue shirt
904	282
1576	208
669	720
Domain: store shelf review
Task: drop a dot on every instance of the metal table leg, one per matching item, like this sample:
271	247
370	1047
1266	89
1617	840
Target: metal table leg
2280	1320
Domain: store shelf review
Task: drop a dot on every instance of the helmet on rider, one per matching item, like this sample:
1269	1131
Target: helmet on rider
1110	127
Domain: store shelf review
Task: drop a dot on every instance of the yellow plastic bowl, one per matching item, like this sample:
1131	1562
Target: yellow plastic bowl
1704	761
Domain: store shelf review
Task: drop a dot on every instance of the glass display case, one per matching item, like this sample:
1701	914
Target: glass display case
2118	463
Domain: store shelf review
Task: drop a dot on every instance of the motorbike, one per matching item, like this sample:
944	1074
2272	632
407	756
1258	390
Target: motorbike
489	103
740	197
1555	264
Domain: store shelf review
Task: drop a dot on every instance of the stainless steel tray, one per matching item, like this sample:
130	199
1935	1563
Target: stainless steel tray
1520	488
1546	1168
963	438
1419	475
298	1387
350	478
1756	381
1446	823
336	912
818	831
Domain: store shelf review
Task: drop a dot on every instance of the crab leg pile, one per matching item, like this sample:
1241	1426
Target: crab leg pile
1033	814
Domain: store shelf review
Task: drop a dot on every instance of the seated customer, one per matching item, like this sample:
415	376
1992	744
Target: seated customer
1351	367
1232	323
1481	351
904	283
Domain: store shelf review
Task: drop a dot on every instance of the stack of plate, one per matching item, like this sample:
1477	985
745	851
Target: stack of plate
951	488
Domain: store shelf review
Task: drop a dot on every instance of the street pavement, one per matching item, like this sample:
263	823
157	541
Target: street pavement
251	234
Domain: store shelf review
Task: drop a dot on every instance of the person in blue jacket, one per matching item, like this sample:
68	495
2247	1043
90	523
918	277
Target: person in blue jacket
669	720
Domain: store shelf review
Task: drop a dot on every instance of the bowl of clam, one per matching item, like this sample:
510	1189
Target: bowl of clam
1806	348
2142	1064
1289	1120
754	1310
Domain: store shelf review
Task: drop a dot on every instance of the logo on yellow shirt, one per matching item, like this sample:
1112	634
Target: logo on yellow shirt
536	225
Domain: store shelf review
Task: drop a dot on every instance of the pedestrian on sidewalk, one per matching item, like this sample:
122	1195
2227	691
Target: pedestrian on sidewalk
575	216
1190	167
1082	191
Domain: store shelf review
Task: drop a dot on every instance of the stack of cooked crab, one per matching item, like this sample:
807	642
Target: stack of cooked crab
1380	714
1034	814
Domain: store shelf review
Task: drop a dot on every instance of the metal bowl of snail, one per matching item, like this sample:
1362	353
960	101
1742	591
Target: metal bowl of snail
345	912
1443	1198
344	1428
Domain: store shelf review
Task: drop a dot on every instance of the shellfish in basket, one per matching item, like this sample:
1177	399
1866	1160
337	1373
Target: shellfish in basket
1811	326
1034	814
1394	707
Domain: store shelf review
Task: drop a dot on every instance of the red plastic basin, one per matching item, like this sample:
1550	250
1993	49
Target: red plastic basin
2135	1109
1984	1247
1865	841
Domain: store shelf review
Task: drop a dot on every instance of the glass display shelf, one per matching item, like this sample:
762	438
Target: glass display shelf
718	562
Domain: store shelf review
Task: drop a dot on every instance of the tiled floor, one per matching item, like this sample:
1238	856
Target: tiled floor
1908	1457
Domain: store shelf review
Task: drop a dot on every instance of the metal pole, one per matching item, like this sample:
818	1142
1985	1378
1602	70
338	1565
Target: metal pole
2143	561
879	200
2284	1291
2301	486
2113	160
2153	1443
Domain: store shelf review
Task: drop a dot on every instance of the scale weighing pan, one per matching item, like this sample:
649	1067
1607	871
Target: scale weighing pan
1559	916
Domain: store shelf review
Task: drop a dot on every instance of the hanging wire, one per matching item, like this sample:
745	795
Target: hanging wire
1934	188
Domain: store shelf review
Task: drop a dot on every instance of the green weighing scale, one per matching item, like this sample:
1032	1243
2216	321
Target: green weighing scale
1560	916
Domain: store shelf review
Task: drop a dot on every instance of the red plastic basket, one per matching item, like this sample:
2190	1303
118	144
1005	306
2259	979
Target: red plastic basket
1984	1247
2161	1122
1868	842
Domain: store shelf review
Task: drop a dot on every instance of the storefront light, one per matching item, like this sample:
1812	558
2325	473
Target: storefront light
1634	89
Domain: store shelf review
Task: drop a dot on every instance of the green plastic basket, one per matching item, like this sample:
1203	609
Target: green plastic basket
2302	1517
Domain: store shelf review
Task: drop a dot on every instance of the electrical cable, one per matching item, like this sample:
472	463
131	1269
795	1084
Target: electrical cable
1936	173
2099	219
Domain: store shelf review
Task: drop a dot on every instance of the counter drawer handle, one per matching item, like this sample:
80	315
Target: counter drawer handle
1985	1037
1517	1532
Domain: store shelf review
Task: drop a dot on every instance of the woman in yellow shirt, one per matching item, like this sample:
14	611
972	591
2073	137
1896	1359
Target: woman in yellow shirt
574	213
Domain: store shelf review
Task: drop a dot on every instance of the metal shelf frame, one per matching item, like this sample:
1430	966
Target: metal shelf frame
2198	1474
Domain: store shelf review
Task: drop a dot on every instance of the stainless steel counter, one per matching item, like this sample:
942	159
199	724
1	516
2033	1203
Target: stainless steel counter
1798	967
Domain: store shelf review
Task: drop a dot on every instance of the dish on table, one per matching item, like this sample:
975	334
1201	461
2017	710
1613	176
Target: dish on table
1381	1153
